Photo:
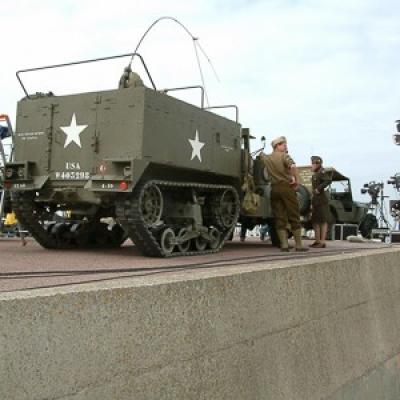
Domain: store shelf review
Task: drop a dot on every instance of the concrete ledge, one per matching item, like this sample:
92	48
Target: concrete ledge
305	330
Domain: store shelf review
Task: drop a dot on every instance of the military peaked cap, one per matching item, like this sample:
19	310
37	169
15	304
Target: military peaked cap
316	159
278	140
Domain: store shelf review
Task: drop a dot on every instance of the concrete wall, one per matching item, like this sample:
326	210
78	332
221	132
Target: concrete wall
308	330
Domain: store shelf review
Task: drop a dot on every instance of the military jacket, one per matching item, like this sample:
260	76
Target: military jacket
320	181
278	166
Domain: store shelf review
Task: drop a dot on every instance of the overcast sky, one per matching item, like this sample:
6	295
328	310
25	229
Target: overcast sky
326	74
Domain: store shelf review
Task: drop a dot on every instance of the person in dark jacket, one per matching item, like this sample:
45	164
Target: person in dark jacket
320	204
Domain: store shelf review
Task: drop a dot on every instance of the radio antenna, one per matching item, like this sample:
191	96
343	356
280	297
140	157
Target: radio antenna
195	44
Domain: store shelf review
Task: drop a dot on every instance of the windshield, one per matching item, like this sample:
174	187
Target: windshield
340	186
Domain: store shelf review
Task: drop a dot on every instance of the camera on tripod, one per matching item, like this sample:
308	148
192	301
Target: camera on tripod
373	189
394	206
395	181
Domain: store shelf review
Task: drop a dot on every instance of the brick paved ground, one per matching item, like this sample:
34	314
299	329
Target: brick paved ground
34	267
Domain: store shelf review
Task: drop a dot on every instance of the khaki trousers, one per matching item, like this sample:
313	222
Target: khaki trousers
285	206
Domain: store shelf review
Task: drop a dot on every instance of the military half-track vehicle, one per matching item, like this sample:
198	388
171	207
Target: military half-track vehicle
167	174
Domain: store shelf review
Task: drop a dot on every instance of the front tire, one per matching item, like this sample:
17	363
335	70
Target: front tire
304	199
368	223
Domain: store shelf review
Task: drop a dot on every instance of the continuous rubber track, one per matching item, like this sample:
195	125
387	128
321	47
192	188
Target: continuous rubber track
129	215
25	210
64	235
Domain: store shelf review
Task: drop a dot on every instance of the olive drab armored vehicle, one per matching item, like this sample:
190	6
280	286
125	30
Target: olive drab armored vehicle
131	162
91	169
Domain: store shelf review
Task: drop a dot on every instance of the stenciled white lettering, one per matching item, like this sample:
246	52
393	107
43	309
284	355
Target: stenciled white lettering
72	175
72	165
29	135
23	134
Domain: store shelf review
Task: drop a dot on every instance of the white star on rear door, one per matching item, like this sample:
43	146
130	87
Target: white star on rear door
196	146
73	132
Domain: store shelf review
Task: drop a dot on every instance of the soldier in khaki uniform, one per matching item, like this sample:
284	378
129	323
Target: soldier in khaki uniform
284	178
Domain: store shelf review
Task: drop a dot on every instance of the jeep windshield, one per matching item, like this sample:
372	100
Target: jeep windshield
340	188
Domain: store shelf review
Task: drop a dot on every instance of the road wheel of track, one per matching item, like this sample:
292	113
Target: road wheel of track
228	208
151	204
200	243
81	234
215	238
49	227
61	232
167	241
183	246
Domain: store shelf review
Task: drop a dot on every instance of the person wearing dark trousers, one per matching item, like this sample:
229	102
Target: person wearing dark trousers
319	202
264	230
284	177
243	231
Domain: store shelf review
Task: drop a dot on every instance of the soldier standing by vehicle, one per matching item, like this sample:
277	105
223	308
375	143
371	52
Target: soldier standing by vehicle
284	178
320	202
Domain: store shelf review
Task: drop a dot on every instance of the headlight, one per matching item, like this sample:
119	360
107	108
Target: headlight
9	172
21	172
127	171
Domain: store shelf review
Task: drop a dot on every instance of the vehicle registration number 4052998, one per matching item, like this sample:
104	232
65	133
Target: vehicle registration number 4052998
72	175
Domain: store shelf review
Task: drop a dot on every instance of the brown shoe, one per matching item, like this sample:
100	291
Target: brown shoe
319	246
314	244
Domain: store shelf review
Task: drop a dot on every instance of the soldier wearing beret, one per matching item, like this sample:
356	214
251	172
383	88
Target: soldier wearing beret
320	204
284	178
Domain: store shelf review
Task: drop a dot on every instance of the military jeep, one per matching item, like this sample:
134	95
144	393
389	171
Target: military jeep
343	209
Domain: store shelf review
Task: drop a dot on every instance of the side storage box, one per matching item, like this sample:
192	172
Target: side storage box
383	234
395	236
342	231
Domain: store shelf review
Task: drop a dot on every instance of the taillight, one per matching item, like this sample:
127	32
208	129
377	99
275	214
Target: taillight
123	185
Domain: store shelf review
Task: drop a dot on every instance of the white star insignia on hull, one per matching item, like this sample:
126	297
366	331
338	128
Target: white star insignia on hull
73	132
196	146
